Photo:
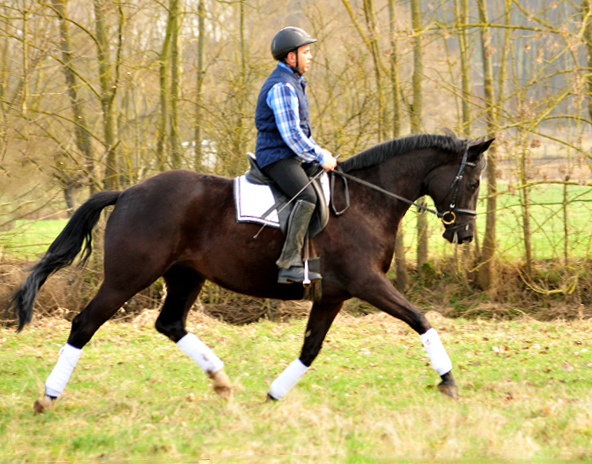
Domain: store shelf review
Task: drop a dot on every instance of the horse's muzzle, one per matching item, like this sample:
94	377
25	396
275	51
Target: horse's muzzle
459	233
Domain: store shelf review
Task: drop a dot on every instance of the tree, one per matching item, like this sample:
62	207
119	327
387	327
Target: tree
163	67
72	180
586	13
487	265
400	261
198	152
415	116
371	41
175	18
108	81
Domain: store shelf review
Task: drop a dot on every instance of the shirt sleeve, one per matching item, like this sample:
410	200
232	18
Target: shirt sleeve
283	101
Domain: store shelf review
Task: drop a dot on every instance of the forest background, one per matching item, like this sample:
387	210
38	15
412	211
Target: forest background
102	94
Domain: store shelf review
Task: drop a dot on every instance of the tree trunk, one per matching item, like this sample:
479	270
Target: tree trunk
234	161
198	154
5	57
462	15
371	42
415	115
525	201
82	135
565	222
25	34
70	198
462	8
586	12
163	120
108	85
175	18
400	261
486	275
375	51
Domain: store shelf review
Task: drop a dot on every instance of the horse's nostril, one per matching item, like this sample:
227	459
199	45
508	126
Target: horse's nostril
467	239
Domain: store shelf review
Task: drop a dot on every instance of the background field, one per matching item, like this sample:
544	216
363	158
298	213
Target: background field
370	397
548	224
30	238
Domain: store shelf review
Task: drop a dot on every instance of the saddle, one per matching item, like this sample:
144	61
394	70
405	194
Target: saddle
259	200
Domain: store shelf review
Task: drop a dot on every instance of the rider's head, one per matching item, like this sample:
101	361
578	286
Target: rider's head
291	45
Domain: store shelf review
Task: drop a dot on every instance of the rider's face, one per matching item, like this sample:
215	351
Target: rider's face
304	58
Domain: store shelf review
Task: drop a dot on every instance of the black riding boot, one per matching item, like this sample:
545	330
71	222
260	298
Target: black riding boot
290	261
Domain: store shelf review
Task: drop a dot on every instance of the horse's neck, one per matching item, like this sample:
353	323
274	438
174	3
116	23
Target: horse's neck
404	175
386	212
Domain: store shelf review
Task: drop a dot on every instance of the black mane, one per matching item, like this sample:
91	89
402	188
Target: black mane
391	148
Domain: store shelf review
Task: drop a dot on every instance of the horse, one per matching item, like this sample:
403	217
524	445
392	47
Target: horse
180	225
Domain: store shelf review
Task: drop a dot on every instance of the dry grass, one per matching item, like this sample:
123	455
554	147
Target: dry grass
369	397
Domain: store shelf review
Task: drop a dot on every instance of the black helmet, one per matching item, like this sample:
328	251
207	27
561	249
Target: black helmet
289	39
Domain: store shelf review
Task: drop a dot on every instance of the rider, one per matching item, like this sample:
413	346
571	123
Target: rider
285	149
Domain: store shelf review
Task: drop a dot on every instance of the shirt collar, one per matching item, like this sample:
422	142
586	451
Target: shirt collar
286	67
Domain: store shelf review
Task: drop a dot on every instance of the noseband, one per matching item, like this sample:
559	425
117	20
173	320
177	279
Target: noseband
448	217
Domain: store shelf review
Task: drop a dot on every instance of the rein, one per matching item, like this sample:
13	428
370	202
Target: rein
447	217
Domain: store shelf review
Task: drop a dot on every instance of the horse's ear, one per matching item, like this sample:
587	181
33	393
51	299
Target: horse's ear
478	146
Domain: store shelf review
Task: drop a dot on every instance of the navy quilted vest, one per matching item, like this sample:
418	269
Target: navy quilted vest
270	144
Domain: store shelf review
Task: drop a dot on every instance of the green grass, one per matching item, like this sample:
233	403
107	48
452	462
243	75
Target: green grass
369	398
30	239
547	224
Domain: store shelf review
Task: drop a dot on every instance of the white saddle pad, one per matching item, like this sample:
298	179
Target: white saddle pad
252	201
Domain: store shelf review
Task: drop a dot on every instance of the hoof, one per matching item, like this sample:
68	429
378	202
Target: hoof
269	398
222	385
449	390
43	404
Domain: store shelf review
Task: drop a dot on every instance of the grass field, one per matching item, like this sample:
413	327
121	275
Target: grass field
546	218
526	395
30	239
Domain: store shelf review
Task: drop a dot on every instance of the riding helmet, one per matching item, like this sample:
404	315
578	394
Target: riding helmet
289	39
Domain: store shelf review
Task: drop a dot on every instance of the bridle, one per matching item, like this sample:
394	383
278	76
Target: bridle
455	187
448	217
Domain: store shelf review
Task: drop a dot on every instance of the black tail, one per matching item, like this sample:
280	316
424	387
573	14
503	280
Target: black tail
61	253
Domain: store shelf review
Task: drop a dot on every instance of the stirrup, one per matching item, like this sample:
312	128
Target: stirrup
295	274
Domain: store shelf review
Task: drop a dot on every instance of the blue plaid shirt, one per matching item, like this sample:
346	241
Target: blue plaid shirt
283	101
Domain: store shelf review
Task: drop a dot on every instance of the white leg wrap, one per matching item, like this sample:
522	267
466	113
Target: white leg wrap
287	379
436	351
200	353
57	380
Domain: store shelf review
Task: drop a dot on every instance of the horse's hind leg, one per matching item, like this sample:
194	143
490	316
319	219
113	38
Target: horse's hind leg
102	307
183	286
320	319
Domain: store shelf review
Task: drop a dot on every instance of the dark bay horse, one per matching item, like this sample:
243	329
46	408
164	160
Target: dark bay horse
180	225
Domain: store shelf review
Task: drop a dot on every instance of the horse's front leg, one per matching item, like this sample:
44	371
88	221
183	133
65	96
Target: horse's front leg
379	292
183	286
320	319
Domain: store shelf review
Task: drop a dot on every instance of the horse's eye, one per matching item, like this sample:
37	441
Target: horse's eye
473	185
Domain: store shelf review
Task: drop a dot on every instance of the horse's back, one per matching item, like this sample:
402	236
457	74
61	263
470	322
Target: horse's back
177	184
159	210
167	194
